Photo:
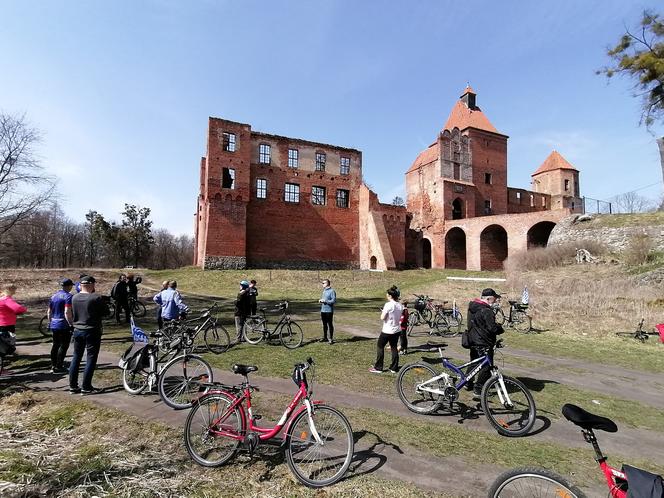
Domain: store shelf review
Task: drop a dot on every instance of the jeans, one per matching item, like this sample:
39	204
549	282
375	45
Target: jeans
326	317
393	340
90	342
60	346
239	325
403	339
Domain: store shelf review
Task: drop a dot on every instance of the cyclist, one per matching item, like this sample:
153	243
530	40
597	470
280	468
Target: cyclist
171	303
482	334
60	319
242	309
132	285
120	293
390	315
8	311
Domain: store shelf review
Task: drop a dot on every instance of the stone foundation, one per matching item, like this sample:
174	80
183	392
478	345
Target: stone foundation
303	265
225	263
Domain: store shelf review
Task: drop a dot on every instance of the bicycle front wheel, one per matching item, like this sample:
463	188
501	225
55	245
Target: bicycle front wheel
317	464
291	335
527	482
208	419
109	311
409	387
217	339
444	326
253	329
135	378
44	327
500	317
509	407
521	322
138	309
414	319
181	378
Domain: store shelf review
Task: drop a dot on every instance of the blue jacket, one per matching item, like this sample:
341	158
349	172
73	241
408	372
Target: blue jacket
171	304
330	298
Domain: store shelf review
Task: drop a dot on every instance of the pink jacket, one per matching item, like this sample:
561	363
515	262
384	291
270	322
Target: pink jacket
8	311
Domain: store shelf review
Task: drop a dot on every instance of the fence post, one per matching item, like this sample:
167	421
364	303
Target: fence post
610	208
584	204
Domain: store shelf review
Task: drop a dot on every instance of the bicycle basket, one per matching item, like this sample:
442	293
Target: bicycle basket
420	304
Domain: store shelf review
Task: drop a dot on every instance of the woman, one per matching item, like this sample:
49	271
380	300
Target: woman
391	316
8	311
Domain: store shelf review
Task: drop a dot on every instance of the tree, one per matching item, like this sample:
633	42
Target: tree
24	187
631	202
398	201
135	234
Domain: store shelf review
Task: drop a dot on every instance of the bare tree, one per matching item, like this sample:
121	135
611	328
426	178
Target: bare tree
631	202
398	201
23	185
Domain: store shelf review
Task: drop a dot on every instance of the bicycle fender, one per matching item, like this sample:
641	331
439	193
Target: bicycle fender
211	392
302	408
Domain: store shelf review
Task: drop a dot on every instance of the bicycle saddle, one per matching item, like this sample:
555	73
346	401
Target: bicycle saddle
587	420
244	369
513	302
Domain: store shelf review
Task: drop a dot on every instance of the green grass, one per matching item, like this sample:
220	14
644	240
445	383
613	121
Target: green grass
624	220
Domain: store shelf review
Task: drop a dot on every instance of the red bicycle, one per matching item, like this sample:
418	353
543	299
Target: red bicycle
529	482
318	439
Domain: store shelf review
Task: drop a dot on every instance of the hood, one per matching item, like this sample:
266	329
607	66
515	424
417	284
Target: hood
476	305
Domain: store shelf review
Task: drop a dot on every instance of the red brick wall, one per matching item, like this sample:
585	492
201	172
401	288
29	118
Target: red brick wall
539	202
489	155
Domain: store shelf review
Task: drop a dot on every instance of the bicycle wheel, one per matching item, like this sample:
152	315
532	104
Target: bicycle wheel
180	380
500	317
526	482
445	326
408	387
314	464
135	378
206	419
291	335
456	322
253	329
511	411
138	309
109	310
427	315
44	327
217	339
521	322
414	319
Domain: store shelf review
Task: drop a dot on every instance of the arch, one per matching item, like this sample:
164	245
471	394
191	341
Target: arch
493	247
373	262
455	249
538	235
426	253
457	209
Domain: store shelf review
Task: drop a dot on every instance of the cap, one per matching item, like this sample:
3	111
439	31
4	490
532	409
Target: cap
244	283
490	292
88	279
65	282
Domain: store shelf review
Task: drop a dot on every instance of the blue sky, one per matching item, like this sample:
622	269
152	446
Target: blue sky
122	90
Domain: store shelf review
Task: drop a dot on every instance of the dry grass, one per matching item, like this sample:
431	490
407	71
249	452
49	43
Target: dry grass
639	250
551	256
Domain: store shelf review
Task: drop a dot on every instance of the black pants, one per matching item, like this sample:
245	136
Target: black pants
160	320
403	340
326	317
90	342
119	306
484	374
60	346
393	340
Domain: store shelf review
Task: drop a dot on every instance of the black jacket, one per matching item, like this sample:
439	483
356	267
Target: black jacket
482	326
242	304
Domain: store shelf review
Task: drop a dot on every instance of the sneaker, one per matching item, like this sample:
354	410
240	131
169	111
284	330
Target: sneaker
74	390
403	352
375	371
331	341
92	390
324	339
477	395
469	386
393	371
54	370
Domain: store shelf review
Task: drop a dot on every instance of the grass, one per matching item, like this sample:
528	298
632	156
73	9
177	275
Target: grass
624	220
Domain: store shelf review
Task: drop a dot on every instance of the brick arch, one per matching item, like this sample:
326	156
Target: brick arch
426	251
493	247
457	209
538	234
455	248
373	263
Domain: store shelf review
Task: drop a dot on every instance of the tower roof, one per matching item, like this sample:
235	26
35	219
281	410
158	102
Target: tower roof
553	162
468	90
427	156
465	114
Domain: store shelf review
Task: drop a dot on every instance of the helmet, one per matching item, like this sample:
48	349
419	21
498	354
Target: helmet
244	283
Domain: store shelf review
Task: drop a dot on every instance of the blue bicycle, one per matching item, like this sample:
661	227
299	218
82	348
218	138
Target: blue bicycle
507	403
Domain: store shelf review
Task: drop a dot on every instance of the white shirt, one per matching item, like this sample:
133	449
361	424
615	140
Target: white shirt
391	316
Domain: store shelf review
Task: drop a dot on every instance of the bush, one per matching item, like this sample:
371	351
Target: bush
639	251
547	257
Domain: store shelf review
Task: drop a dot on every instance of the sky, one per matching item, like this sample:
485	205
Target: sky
122	90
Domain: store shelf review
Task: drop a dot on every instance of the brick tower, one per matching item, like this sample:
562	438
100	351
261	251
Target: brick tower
558	178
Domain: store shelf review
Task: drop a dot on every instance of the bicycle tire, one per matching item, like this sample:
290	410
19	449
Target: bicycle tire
634	335
217	340
138	309
413	321
179	382
291	335
427	315
199	440
254	329
497	414
526	482
44	326
521	322
410	376
500	317
333	457
109	311
445	327
136	380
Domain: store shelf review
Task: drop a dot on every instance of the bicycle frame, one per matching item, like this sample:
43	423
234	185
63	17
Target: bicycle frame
268	333
613	476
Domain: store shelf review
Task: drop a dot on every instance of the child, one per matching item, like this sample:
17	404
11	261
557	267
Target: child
403	324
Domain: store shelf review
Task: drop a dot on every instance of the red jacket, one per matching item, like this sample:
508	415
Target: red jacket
8	311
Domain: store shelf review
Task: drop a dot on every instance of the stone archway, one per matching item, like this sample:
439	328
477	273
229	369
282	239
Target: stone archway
493	247
457	209
373	262
455	249
538	235
426	253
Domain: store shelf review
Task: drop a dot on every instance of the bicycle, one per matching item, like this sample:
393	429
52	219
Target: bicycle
287	330
518	318
317	438
442	321
530	481
639	334
178	381
136	307
214	334
507	403
109	312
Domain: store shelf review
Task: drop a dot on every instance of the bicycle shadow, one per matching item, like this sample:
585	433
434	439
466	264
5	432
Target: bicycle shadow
536	385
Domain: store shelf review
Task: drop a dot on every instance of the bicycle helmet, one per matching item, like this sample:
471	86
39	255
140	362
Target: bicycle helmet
244	283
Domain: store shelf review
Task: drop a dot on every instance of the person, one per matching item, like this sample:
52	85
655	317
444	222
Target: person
482	334
132	286
253	295
170	303
77	285
120	294
403	325
9	309
160	321
327	300
87	312
242	309
391	316
60	320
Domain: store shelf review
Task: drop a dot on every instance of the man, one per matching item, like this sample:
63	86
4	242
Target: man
170	301
77	285
327	300
87	312
482	333
242	309
132	285
120	293
60	319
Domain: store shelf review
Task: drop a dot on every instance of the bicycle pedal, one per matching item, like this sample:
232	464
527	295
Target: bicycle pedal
258	417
